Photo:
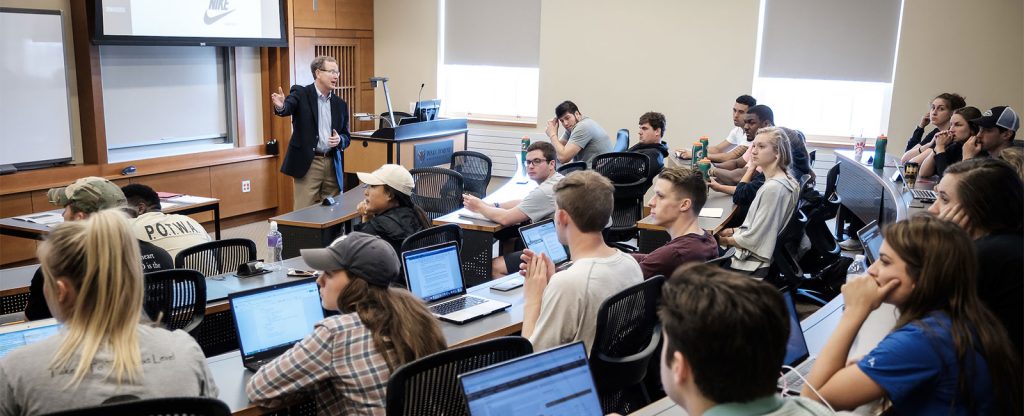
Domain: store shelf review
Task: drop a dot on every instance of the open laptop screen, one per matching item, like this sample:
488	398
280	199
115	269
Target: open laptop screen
542	238
871	237
19	335
553	382
434	272
281	316
796	347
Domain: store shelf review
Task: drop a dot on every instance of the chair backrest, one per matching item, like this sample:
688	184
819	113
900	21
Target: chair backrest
167	406
784	270
433	236
385	119
831	180
627	336
724	259
430	385
621	141
475	168
176	298
216	257
812	156
438	191
571	167
628	172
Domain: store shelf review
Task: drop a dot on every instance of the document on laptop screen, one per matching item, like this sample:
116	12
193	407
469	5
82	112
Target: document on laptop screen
278	317
435	274
544	239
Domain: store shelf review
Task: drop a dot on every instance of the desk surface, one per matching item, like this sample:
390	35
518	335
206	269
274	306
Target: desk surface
324	216
517	187
168	206
715	200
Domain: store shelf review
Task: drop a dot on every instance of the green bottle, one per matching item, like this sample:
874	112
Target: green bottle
880	143
525	145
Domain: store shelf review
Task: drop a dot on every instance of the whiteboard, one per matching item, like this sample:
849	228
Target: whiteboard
35	112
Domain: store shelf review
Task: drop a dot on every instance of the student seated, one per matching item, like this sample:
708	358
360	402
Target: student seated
562	307
538	205
746	189
949	144
80	200
171	232
347	360
679	195
650	143
996	130
772	207
736	374
985	197
939	113
583	139
103	354
737	136
729	171
388	210
947	353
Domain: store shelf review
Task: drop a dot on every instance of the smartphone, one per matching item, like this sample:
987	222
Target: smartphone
508	285
301	273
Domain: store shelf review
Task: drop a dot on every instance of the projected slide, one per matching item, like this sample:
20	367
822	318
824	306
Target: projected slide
192	18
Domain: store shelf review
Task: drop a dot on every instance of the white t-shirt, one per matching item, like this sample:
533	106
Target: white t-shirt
568	309
539	204
171	232
173	365
736	136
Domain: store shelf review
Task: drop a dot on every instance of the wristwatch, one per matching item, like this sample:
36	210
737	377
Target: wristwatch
497	205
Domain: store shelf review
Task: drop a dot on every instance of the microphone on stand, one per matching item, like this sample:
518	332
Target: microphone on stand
421	92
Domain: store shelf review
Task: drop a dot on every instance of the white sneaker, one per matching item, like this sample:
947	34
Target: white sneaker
851	244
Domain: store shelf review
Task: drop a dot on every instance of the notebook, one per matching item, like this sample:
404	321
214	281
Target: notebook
552	382
19	335
797	354
434	274
871	237
271	319
540	237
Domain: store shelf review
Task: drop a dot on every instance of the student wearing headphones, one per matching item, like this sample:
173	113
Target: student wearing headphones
103	353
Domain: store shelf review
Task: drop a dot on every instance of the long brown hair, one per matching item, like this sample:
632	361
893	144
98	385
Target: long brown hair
399	321
991	194
940	259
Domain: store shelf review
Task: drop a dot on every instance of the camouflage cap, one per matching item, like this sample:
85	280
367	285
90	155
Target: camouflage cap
89	194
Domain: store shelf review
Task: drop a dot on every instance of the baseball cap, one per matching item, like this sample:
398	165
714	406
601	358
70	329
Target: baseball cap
395	176
1001	116
89	194
367	256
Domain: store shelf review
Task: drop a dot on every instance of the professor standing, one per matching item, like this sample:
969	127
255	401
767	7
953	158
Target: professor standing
314	155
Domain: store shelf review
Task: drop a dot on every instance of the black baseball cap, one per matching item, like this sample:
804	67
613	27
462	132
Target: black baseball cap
1001	116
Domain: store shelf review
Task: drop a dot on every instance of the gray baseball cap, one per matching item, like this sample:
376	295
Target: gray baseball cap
89	194
366	256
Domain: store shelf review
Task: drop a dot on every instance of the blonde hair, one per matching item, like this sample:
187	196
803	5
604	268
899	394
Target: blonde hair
100	258
1015	157
780	141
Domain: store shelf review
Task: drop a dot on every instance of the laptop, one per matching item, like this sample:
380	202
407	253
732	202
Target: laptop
15	336
434	274
540	237
871	237
552	382
798	355
271	319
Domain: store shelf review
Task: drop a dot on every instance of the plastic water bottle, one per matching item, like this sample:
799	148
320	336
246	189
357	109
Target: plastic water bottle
857	268
275	244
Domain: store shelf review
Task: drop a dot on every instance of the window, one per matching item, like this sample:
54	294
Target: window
490	54
826	67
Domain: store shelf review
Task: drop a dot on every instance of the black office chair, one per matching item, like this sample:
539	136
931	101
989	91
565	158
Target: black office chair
621	141
175	298
475	168
812	156
430	386
167	406
628	172
433	236
627	337
571	167
723	259
438	191
216	257
385	120
784	270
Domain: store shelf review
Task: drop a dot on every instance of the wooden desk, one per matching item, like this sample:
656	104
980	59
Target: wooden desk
184	205
653	236
316	226
478	235
231	377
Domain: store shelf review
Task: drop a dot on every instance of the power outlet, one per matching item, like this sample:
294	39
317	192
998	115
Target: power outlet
246	186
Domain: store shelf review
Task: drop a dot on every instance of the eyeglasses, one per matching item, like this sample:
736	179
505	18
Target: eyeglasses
537	161
330	72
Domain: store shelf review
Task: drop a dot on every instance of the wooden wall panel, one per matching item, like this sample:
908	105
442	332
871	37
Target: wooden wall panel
226	184
315	13
365	156
192	182
354	14
13	249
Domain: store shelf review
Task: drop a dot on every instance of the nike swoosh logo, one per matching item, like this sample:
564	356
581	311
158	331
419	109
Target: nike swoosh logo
213	19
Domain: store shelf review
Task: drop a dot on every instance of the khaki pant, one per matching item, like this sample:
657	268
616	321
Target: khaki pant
320	182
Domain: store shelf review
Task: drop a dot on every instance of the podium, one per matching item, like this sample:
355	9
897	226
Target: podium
415	145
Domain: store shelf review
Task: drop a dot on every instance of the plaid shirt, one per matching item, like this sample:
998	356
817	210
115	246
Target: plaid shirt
338	361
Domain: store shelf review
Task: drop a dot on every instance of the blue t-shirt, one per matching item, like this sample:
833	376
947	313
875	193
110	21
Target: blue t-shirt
916	365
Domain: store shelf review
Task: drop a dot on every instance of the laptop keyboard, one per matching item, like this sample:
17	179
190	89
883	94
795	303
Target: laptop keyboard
923	194
456	305
792	381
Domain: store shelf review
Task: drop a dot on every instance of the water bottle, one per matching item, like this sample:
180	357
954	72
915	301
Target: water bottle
857	268
275	244
880	143
525	145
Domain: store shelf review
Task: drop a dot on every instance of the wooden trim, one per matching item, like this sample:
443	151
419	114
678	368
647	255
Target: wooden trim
495	122
333	33
239	104
90	84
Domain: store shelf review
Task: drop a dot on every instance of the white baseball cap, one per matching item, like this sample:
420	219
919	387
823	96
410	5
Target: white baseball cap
395	176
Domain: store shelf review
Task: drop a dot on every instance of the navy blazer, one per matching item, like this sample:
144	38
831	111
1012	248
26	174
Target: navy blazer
302	106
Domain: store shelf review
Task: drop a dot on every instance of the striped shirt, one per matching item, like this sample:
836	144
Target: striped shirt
323	104
338	362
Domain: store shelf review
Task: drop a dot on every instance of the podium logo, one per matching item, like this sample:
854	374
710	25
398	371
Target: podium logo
216	11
